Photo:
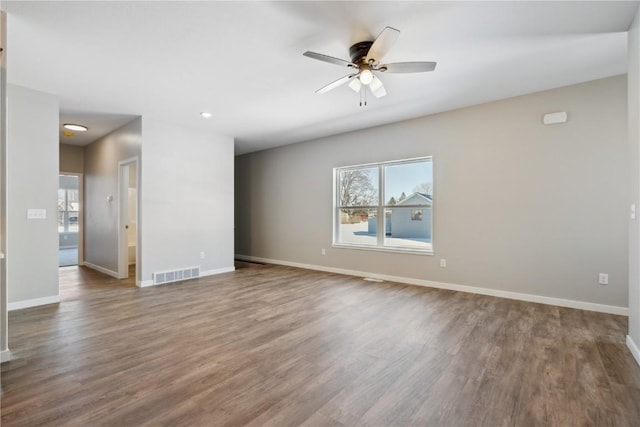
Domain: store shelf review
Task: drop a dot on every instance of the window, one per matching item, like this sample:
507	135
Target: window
68	205
385	206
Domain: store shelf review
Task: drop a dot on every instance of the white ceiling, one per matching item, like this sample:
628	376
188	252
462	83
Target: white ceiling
243	62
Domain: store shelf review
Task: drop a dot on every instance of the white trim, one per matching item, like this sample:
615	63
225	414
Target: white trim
634	349
580	305
102	269
80	213
216	271
18	305
394	249
123	182
5	356
144	283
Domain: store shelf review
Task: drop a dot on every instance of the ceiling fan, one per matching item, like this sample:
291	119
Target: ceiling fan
365	63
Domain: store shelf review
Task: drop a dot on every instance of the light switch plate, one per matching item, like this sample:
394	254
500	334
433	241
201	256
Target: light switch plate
36	213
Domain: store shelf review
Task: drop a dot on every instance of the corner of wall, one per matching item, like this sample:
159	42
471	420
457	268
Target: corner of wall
633	82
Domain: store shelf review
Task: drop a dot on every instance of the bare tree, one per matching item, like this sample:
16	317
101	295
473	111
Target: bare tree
356	188
424	188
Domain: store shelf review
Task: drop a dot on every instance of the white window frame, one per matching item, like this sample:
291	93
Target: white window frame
380	207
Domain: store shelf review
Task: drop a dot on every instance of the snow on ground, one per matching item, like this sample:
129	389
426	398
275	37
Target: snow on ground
359	235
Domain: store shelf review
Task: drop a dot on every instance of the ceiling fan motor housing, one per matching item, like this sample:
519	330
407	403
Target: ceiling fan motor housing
358	52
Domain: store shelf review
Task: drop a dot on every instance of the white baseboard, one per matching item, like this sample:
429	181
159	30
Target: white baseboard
147	283
217	271
18	305
634	349
144	283
581	305
5	356
102	269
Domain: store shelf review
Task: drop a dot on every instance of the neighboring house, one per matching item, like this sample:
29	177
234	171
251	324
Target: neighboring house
411	218
408	219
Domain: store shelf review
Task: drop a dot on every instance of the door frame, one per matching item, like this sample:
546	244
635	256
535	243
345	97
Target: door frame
80	177
123	210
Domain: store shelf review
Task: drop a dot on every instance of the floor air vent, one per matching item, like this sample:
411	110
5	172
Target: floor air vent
162	277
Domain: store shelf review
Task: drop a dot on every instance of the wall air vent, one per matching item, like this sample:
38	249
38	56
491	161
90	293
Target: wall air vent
162	277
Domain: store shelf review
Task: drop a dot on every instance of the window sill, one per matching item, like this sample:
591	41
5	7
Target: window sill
410	251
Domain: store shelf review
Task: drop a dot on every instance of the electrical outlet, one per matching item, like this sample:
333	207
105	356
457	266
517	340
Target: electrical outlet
603	279
443	263
324	251
201	255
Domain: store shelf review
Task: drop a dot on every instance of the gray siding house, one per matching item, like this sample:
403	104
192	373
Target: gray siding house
411	218
408	219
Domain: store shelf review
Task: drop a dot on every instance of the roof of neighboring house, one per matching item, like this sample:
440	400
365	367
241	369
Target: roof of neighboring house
422	196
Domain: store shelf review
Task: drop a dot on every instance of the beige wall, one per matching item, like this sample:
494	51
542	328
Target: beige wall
518	206
634	161
71	158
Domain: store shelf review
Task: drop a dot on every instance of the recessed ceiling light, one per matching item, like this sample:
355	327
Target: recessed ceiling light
77	128
206	114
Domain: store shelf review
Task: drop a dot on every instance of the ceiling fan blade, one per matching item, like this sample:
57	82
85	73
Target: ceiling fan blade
333	85
377	88
383	44
407	67
329	59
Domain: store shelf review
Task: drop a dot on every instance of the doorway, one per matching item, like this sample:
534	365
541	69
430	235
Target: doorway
69	219
128	218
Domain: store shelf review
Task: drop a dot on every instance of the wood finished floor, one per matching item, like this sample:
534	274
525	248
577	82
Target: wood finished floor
279	346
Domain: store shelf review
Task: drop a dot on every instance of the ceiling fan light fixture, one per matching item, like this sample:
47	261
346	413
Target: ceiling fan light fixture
377	88
366	76
375	85
355	85
77	128
366	56
380	92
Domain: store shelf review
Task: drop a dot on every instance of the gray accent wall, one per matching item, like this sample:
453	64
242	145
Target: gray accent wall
32	182
71	158
518	206
101	181
186	199
634	162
